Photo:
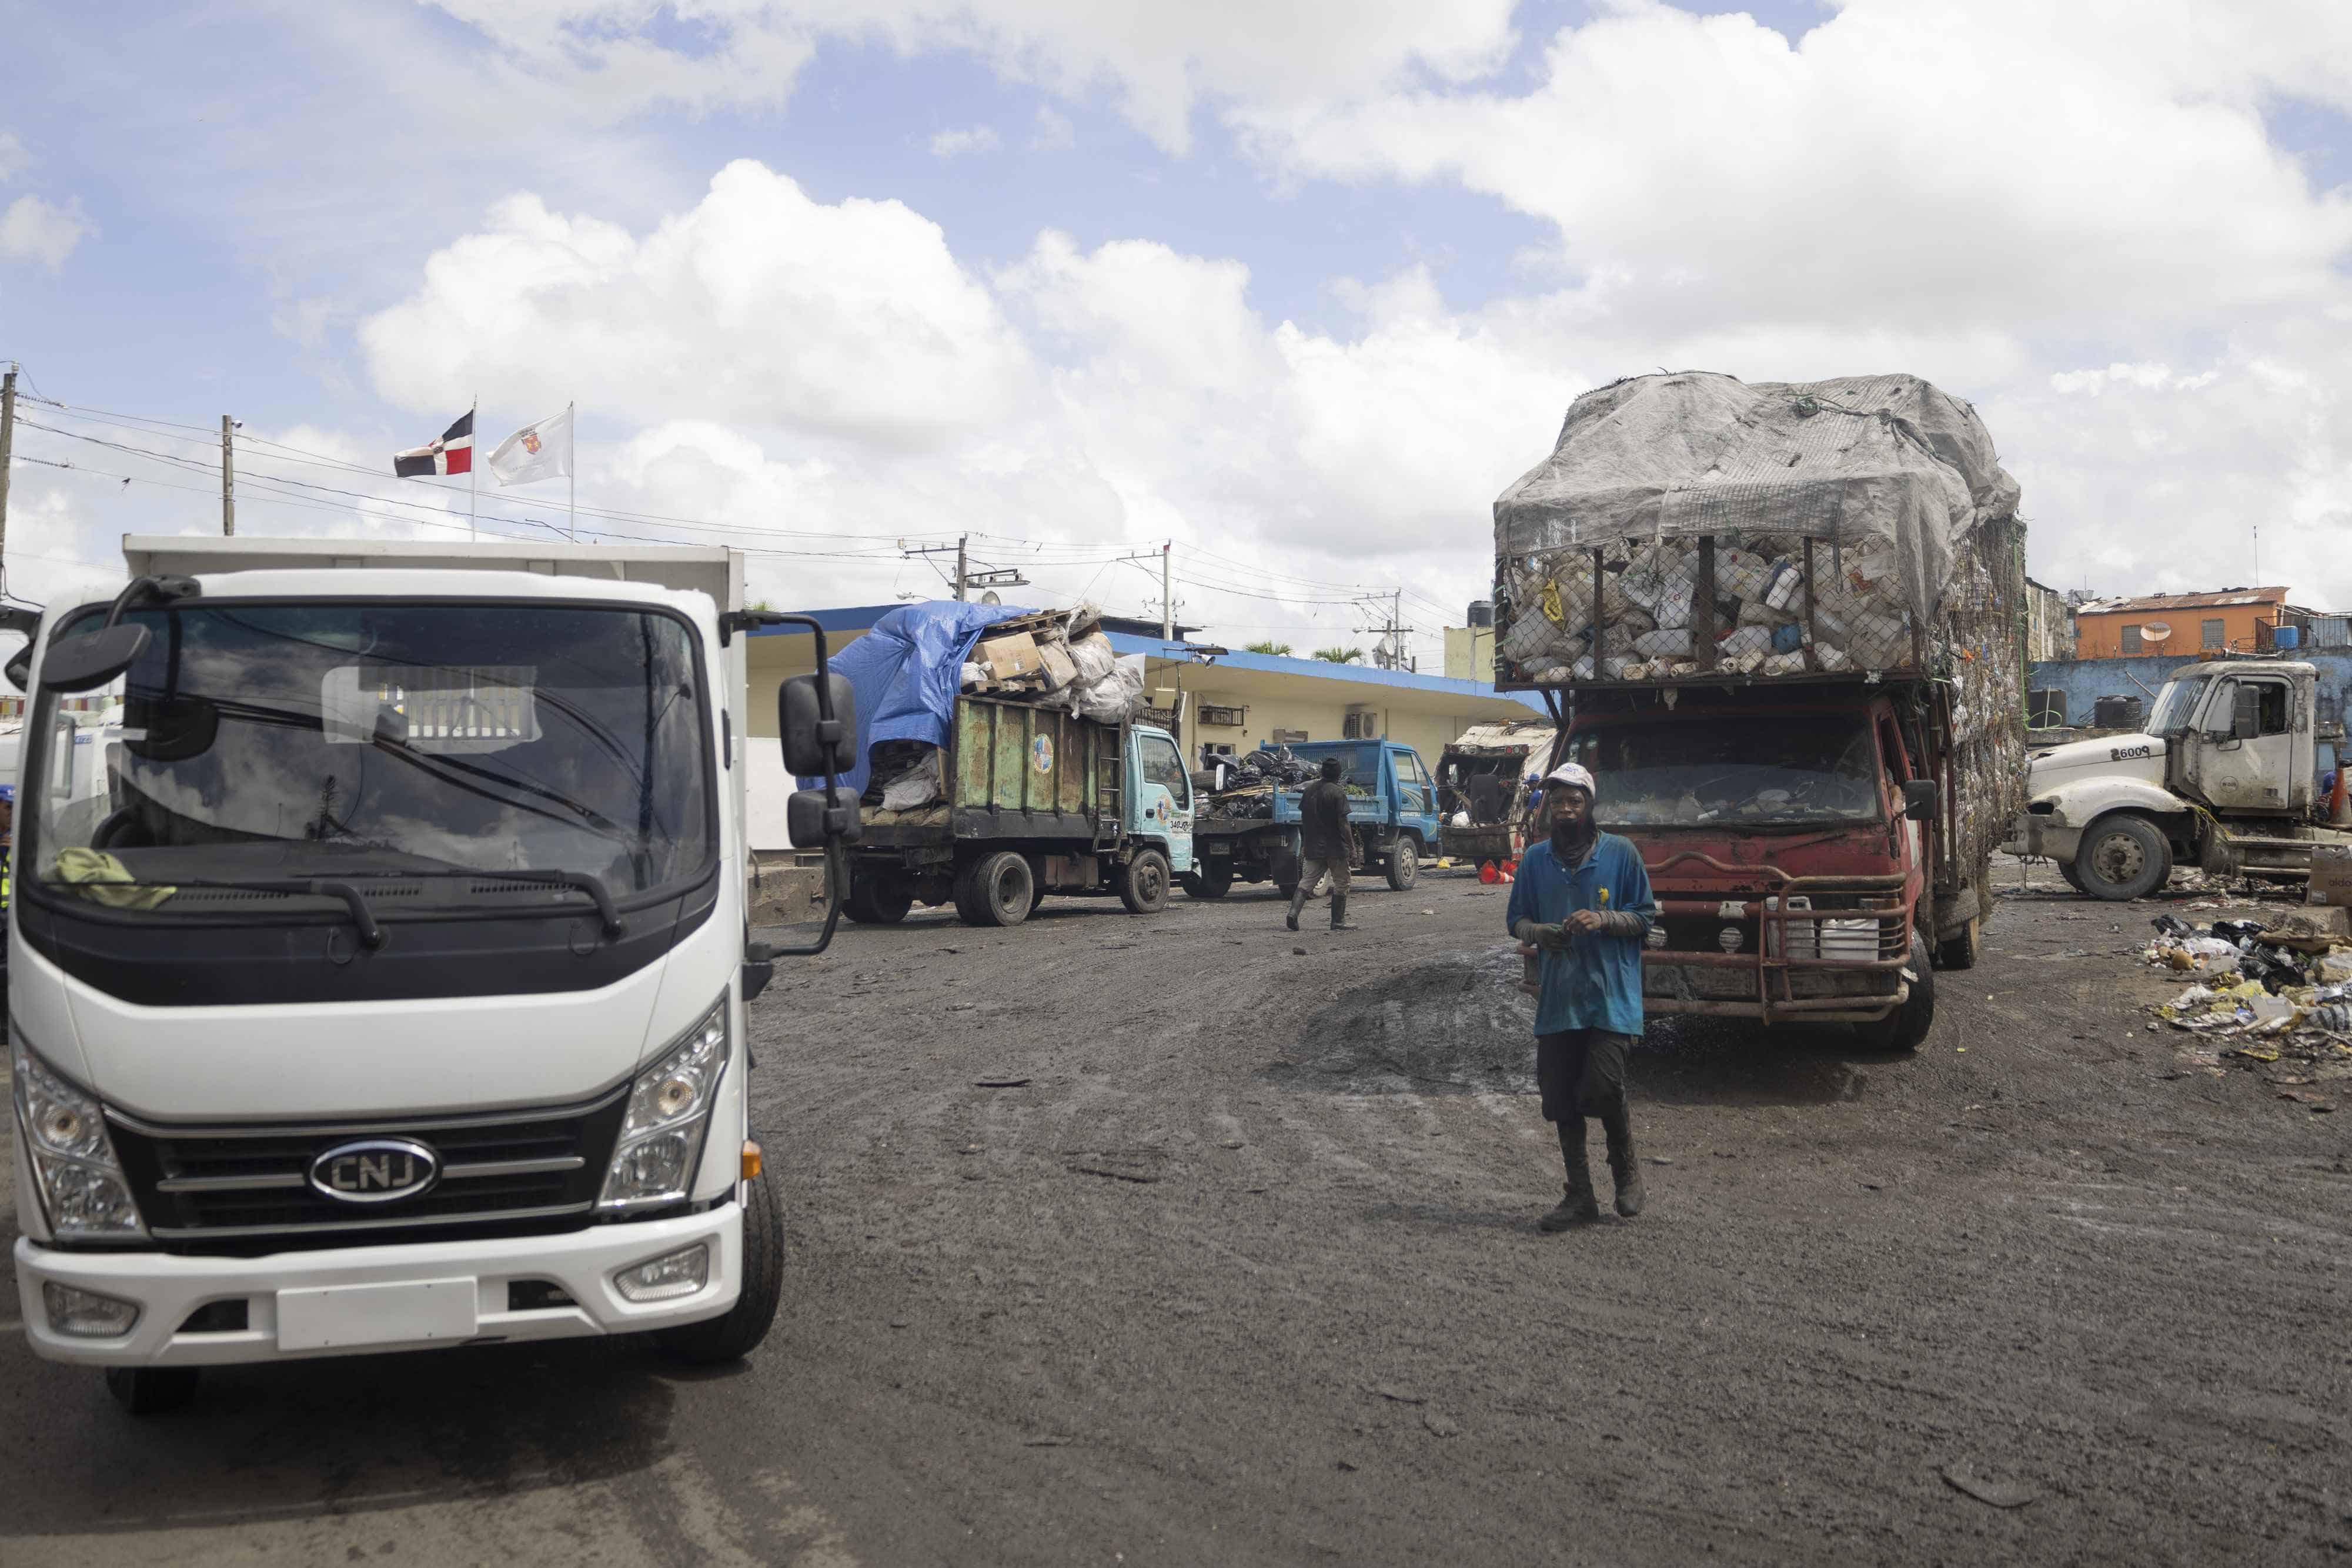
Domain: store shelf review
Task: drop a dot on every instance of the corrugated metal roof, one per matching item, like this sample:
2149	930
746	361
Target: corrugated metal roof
2227	598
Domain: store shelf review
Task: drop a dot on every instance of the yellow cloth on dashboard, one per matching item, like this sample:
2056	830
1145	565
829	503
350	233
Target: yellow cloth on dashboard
101	879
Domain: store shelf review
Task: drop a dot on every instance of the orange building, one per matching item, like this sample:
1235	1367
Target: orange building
2178	625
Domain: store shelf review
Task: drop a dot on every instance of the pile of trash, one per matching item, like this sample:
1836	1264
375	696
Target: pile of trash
1689	524
1057	659
2286	983
1246	785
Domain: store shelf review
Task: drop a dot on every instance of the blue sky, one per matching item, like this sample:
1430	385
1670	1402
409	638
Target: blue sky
1299	285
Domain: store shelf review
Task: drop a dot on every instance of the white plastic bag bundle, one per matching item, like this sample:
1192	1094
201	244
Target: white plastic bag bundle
1115	698
918	786
1094	656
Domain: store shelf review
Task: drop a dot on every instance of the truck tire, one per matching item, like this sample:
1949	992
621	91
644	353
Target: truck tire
2073	878
2122	857
1907	1025
737	1333
996	890
877	898
1404	864
151	1390
1214	879
1959	951
1143	882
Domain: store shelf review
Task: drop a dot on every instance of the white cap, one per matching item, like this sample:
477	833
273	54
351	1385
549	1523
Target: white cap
1576	774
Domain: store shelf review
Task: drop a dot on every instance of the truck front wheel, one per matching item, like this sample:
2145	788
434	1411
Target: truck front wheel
737	1333
1907	1025
998	890
2122	857
1404	864
1143	882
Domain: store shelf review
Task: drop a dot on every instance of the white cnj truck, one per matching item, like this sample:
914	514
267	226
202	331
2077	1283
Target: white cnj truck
389	991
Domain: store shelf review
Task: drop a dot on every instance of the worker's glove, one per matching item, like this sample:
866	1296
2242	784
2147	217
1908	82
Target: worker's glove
1554	938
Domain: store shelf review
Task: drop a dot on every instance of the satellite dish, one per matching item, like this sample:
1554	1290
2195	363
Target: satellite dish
990	597
2155	630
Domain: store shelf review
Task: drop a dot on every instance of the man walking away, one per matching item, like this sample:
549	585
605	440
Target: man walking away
1582	903
1323	844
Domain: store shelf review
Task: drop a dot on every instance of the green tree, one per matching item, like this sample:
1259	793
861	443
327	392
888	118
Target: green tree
1279	650
1340	655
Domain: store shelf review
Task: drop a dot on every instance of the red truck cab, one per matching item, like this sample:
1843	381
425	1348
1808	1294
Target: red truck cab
1793	836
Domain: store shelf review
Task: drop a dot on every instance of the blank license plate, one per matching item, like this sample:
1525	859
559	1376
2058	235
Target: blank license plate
348	1316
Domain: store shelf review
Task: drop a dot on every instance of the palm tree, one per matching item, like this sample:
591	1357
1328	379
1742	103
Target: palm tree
1339	655
1279	650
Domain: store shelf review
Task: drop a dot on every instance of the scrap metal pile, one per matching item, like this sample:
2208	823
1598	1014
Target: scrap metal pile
2280	989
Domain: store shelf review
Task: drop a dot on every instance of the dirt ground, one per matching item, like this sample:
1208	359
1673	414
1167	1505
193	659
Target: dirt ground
1159	1240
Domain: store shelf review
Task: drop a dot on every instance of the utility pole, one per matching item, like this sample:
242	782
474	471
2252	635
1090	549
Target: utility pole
1393	657
7	447
1168	592
962	571
961	540
228	481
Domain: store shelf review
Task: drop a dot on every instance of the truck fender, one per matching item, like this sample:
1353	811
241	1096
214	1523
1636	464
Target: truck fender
2080	804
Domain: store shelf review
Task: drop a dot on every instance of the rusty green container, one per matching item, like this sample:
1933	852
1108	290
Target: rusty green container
1012	757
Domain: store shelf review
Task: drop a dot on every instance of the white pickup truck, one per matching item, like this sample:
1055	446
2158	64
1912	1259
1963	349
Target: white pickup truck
389	992
2223	777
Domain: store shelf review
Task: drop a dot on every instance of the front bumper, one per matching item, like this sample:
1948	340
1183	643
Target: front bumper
2045	835
169	1287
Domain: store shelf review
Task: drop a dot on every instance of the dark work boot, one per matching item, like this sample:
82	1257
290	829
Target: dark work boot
1623	1165
1339	911
1297	903
1578	1206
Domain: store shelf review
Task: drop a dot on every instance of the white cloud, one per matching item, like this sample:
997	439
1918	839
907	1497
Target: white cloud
1159	60
758	306
1052	132
966	138
32	229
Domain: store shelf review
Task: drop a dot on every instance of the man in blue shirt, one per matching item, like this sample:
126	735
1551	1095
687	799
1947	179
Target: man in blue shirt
1582	905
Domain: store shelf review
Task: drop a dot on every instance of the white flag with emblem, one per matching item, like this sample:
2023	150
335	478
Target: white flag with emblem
540	451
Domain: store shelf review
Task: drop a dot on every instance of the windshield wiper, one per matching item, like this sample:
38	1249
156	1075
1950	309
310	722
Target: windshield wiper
588	882
371	933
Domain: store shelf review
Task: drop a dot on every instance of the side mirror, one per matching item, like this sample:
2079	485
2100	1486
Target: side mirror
1920	801
171	730
814	744
2245	712
19	670
811	821
89	661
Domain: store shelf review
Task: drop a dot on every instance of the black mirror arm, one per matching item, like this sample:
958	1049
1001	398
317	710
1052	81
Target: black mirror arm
836	864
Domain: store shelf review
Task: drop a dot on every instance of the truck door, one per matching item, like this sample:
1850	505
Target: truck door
2245	743
1416	797
1163	797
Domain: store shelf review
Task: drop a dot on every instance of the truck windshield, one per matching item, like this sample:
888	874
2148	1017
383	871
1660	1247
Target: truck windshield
2175	704
275	740
1693	772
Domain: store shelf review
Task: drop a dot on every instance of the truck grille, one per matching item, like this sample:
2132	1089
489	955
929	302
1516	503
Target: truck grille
247	1188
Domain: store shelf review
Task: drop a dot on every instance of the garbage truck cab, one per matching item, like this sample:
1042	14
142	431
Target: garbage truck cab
389	991
2224	777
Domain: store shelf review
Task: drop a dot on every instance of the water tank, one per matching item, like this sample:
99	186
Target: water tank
2287	638
1481	612
2116	713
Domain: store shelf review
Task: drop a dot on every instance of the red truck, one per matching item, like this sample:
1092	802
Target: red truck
1783	627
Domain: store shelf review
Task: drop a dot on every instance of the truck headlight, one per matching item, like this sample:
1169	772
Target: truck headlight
669	1110
83	1190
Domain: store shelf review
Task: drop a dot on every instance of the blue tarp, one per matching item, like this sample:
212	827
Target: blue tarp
906	671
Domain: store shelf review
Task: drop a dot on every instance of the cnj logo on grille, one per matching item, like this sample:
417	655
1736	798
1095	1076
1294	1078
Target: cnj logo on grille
375	1170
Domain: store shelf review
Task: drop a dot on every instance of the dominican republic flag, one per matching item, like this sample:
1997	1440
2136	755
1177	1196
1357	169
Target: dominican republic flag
453	453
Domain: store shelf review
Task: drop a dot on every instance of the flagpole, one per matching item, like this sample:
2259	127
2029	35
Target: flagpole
474	468
571	477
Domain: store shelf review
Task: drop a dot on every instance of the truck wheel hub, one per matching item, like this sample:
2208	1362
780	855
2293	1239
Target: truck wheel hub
2118	857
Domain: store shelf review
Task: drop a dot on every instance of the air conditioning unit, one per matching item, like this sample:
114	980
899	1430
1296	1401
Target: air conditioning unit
1288	736
1360	724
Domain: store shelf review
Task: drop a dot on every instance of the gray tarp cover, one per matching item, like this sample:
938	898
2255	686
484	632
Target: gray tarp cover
1855	461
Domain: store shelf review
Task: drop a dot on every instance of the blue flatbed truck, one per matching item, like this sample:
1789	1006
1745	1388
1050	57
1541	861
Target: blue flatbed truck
1251	834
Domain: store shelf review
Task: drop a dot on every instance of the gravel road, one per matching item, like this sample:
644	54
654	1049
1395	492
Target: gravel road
1157	1240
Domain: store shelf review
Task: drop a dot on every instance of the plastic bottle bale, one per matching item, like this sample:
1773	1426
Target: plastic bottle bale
1784	665
1746	640
1662	645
